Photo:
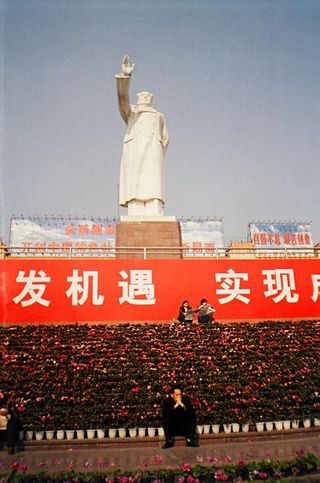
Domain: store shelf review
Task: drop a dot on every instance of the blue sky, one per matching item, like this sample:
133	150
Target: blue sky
238	82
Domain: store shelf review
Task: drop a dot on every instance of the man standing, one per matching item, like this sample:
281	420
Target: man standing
141	186
179	418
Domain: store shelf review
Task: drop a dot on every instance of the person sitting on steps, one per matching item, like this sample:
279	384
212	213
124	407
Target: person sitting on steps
206	312
179	418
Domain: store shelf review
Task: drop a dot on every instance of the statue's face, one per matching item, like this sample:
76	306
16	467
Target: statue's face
144	98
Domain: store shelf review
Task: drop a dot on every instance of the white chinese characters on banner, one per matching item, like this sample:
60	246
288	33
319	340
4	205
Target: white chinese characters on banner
316	287
35	286
139	285
231	287
79	287
281	283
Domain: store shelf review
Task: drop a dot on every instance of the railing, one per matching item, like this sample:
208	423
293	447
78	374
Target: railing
160	252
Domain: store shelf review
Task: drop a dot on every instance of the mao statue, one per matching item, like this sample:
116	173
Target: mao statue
141	186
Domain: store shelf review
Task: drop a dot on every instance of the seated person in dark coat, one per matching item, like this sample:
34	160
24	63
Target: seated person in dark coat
13	427
186	312
179	418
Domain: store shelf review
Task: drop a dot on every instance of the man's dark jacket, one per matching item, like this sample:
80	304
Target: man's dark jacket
181	419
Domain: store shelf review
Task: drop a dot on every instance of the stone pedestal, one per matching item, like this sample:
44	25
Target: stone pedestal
148	239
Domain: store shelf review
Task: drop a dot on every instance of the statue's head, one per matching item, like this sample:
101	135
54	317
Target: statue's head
145	98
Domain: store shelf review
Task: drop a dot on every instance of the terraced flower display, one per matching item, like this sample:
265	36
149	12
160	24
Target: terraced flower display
82	376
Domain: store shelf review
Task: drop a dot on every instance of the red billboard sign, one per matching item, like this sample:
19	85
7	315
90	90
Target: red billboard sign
90	290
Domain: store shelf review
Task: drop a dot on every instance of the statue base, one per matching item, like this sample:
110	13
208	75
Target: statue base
158	218
148	238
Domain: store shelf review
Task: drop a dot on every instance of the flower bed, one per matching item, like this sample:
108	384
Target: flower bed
82	377
210	472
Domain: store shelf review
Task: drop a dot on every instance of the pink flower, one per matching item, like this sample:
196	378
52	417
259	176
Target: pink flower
213	459
158	459
186	467
263	475
220	476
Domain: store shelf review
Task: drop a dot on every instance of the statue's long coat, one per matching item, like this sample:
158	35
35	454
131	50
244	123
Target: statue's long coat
144	146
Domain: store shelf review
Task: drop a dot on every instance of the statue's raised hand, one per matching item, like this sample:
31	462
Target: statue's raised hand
127	68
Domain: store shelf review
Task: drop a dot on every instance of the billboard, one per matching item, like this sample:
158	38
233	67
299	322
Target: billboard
201	237
89	236
102	290
280	235
47	236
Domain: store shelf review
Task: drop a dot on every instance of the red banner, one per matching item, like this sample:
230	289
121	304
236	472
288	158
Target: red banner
90	290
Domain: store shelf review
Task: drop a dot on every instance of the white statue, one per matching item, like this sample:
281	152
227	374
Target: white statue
141	187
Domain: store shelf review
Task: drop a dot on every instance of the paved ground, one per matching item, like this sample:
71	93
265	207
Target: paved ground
147	452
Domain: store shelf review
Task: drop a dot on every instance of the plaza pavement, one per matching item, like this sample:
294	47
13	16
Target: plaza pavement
136	453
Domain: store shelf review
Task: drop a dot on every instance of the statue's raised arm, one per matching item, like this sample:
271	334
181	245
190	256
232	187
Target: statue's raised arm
123	81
